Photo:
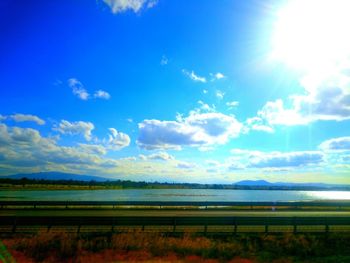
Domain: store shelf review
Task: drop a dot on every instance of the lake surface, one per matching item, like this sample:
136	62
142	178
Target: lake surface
173	195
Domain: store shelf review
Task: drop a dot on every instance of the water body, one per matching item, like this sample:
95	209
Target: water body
173	195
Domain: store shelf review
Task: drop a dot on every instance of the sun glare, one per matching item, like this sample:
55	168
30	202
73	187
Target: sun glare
312	34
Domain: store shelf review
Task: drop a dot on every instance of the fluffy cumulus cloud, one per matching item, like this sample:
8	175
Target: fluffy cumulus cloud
18	117
101	94
326	98
196	130
275	113
119	6
75	128
193	76
26	147
117	140
336	144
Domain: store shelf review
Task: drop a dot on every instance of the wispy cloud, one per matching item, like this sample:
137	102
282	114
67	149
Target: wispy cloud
101	94
232	104
186	165
258	124
119	6
25	117
78	89
193	76
164	61
217	76
220	94
81	92
162	156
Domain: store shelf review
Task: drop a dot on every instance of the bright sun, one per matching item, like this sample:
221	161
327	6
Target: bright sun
312	34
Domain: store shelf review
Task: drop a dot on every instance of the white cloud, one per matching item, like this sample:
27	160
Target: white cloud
289	159
162	156
75	128
78	89
274	113
130	159
93	148
205	91
250	159
119	6
117	140
217	76
186	165
212	163
143	157
164	61
205	107
101	94
26	117
326	98
232	104
336	144
219	94
257	124
193	76
25	147
196	130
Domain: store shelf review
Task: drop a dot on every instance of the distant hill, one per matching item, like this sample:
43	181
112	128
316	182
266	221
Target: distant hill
253	183
245	184
58	176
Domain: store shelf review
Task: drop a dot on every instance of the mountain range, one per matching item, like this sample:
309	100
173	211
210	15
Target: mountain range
79	177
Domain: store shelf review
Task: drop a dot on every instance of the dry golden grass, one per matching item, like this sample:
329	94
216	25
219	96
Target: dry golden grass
139	246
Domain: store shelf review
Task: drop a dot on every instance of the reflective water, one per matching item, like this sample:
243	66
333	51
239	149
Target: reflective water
174	195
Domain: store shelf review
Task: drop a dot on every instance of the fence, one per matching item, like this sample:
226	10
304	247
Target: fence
14	222
162	204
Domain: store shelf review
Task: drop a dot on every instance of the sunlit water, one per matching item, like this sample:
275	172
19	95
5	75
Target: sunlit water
174	195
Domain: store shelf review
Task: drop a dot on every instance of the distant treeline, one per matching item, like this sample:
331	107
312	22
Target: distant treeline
127	184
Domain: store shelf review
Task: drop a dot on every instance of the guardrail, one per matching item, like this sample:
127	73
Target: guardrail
113	222
160	204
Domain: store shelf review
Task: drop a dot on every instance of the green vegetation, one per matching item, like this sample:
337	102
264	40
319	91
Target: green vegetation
64	247
40	184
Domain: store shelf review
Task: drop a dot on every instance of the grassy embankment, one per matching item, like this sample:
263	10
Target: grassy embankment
138	246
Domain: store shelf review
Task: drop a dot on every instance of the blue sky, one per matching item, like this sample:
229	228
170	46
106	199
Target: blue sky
174	91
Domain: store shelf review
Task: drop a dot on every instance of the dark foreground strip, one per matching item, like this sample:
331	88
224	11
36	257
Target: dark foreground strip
142	221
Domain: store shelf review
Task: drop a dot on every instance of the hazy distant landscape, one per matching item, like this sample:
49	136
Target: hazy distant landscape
53	180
